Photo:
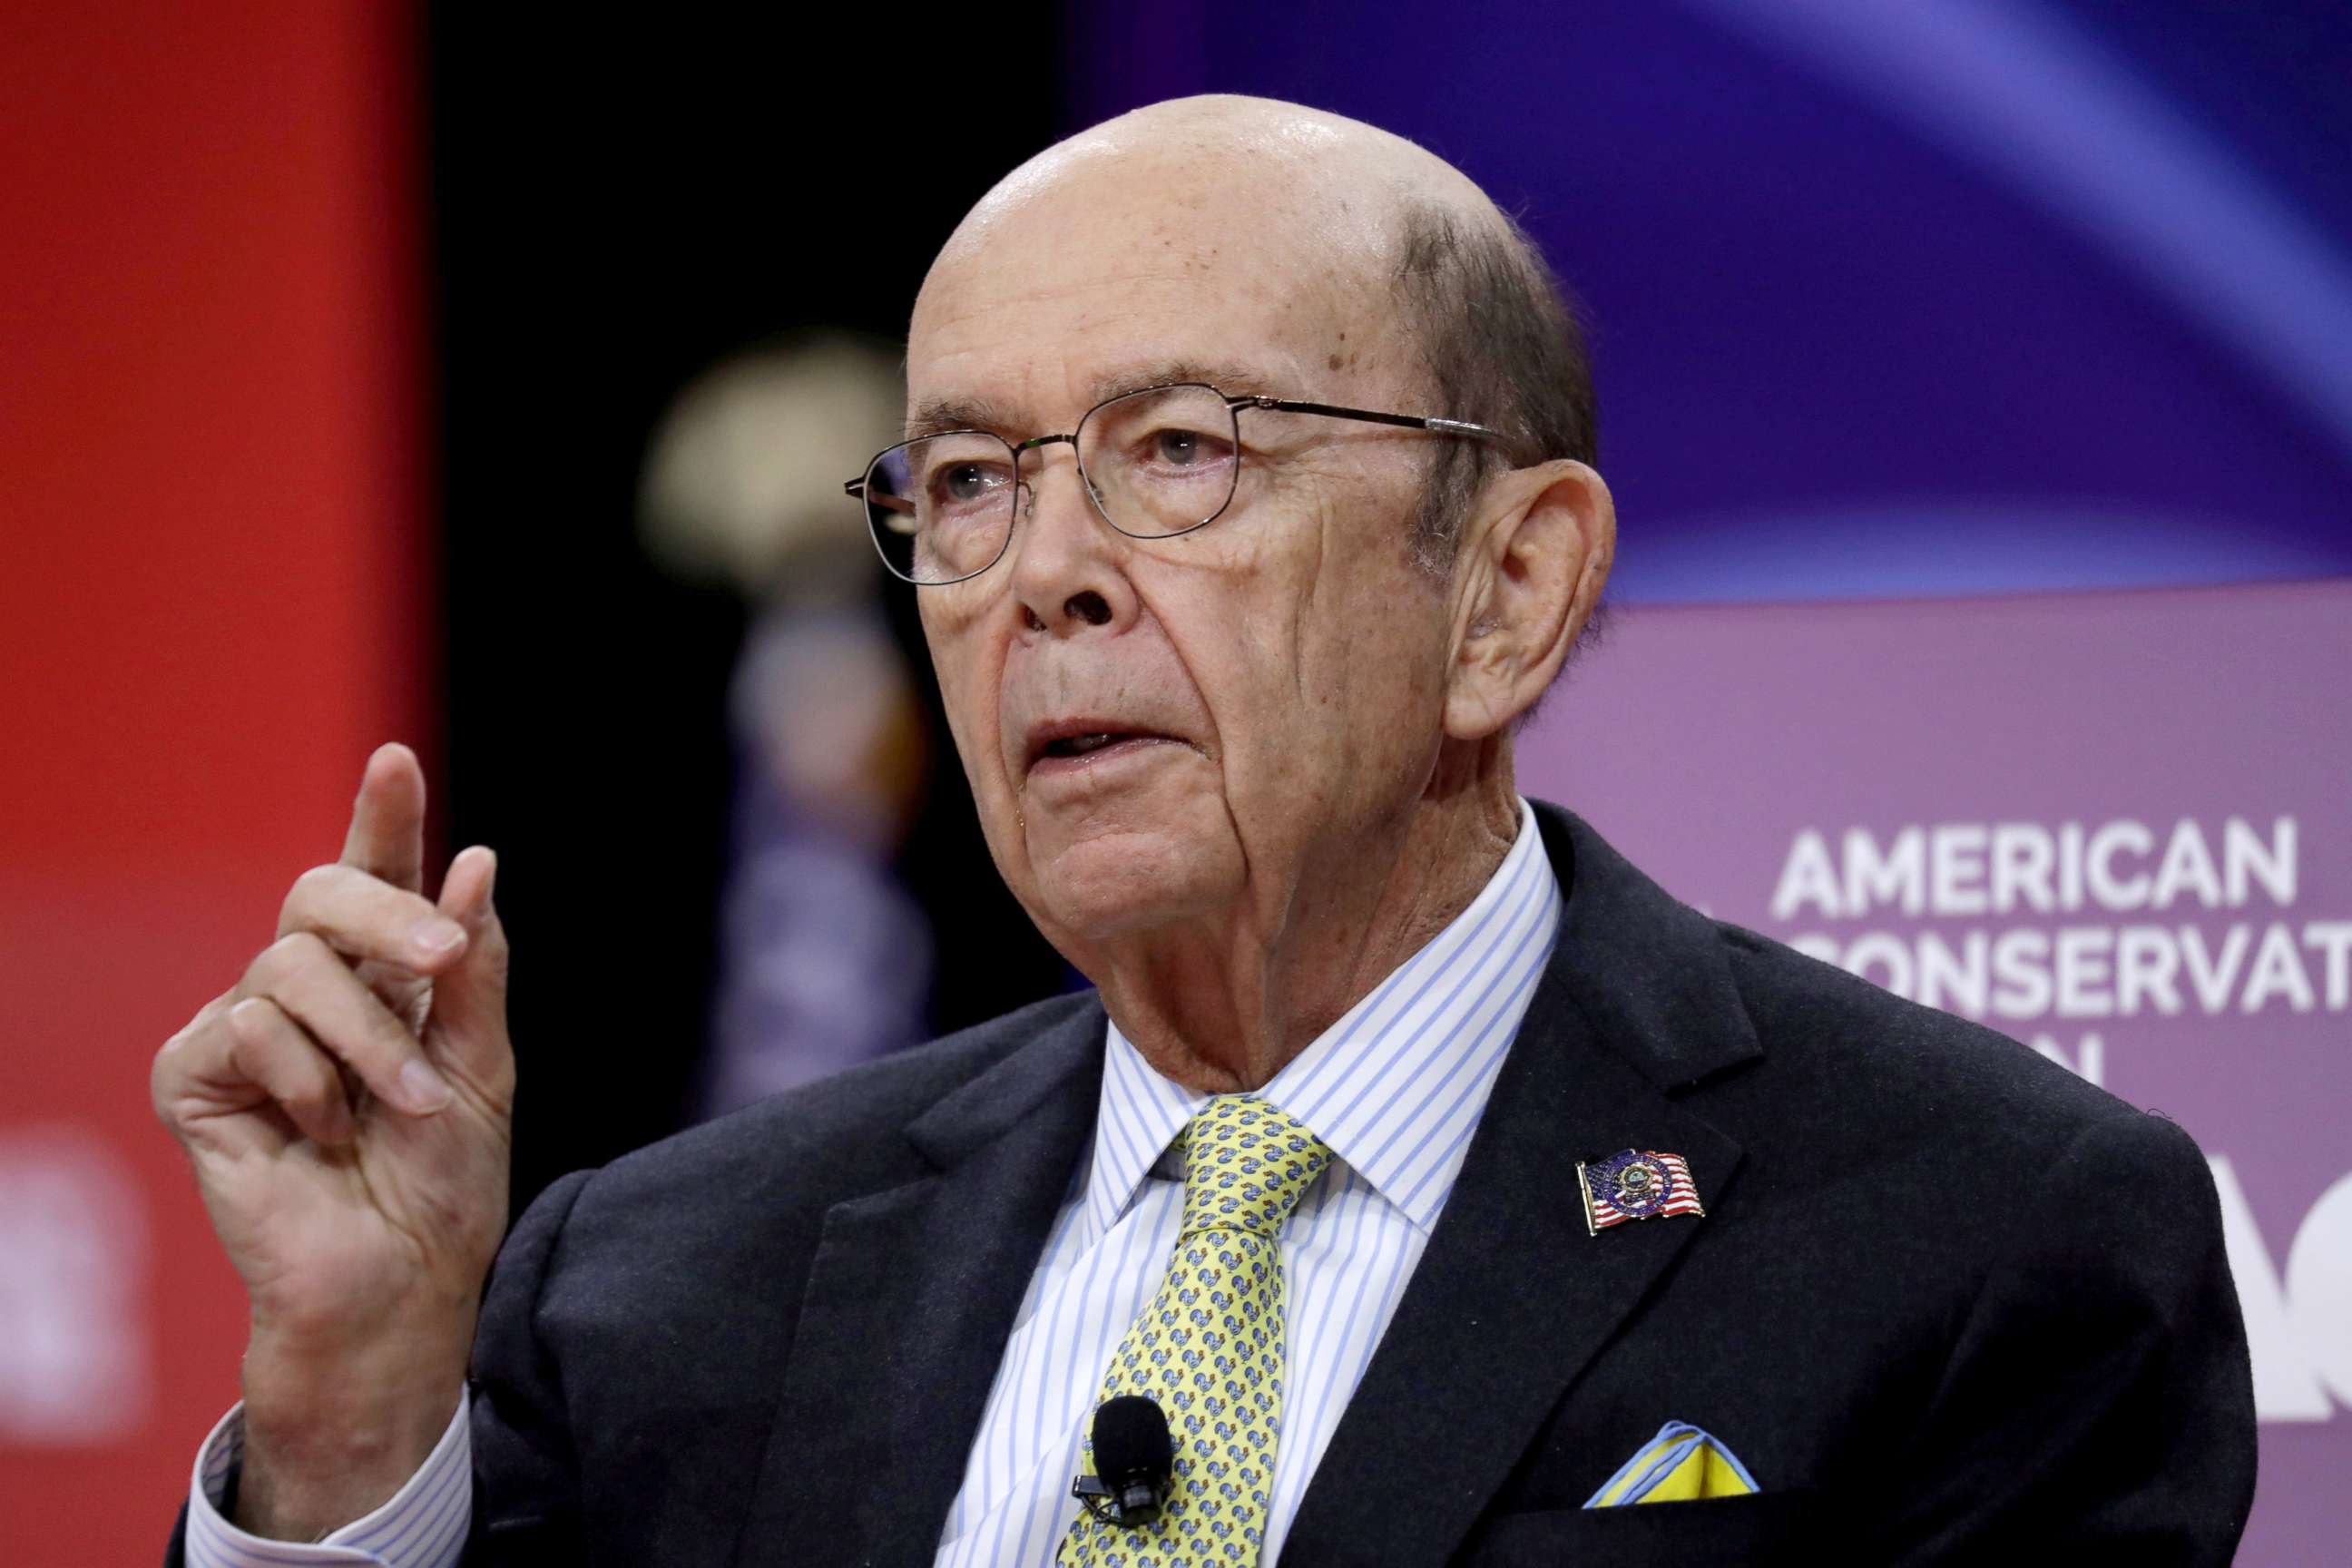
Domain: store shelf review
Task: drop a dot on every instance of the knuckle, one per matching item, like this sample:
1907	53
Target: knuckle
249	1037
307	892
244	1058
174	1058
204	1015
319	880
289	956
270	1054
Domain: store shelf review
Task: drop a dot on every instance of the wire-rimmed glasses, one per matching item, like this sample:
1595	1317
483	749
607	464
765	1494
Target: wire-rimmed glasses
1156	462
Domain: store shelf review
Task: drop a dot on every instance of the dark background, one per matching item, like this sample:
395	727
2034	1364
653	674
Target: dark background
612	212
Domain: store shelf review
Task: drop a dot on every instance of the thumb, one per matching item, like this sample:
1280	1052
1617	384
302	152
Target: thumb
470	997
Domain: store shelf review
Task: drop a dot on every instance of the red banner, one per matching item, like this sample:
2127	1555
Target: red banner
211	606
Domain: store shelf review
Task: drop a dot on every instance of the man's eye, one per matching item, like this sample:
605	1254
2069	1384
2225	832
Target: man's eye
964	482
1181	449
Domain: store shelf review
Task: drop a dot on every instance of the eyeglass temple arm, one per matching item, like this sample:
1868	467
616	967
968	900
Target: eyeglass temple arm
1406	421
856	488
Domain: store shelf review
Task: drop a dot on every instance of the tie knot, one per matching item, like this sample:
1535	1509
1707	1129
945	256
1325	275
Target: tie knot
1246	1166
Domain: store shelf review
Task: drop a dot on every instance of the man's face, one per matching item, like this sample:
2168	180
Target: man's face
1273	683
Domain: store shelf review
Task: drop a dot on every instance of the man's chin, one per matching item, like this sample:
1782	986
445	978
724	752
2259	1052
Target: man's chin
1111	884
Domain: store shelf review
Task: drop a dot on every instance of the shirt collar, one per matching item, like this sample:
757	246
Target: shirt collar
1422	1047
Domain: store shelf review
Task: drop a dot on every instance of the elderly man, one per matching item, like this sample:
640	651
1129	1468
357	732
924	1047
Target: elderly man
1450	1191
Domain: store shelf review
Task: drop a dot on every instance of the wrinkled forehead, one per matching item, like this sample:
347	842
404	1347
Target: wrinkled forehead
1147	267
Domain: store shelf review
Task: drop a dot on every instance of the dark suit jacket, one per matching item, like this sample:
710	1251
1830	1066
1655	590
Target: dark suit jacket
1948	1303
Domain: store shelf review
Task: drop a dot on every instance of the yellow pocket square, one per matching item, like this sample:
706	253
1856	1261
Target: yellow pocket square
1679	1465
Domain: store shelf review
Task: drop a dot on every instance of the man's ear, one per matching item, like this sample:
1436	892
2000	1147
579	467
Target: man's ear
1533	562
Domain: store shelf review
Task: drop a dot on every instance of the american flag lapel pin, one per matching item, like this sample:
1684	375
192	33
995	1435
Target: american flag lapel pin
1635	1183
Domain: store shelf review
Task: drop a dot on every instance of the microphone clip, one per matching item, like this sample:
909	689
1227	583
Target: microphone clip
1129	1507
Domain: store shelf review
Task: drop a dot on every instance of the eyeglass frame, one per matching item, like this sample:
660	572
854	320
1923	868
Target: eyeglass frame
856	488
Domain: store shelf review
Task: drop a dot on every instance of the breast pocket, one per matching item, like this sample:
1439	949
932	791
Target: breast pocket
1759	1527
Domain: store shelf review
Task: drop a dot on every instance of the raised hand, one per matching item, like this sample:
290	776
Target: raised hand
347	1107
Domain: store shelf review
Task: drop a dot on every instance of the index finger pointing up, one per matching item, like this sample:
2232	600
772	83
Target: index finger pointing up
387	836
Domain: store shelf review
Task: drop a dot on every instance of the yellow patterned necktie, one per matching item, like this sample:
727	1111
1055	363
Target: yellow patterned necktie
1210	1347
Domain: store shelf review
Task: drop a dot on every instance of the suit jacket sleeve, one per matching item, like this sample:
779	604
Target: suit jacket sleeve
526	1479
2099	1400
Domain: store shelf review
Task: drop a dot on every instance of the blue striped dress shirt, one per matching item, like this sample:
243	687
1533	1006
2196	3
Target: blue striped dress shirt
422	1526
1395	1087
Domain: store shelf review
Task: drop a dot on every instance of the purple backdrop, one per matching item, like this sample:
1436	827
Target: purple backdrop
2115	826
1954	296
1949	295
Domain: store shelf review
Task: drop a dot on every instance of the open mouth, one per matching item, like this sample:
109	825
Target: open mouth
1077	747
1082	745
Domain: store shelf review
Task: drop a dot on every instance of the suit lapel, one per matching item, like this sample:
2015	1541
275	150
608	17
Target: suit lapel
1512	1298
910	1299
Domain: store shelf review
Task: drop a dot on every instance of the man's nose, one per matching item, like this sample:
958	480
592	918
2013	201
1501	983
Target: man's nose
1067	564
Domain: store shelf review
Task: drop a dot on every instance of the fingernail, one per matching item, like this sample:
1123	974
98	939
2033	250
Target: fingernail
434	936
424	1091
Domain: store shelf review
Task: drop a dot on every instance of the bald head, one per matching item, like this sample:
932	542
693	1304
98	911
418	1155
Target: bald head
1339	184
1411	280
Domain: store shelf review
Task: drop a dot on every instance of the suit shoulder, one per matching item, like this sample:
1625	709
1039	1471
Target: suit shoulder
838	1134
1936	1126
1819	1022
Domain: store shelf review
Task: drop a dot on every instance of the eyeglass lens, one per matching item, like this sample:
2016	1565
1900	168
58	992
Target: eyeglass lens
1157	462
